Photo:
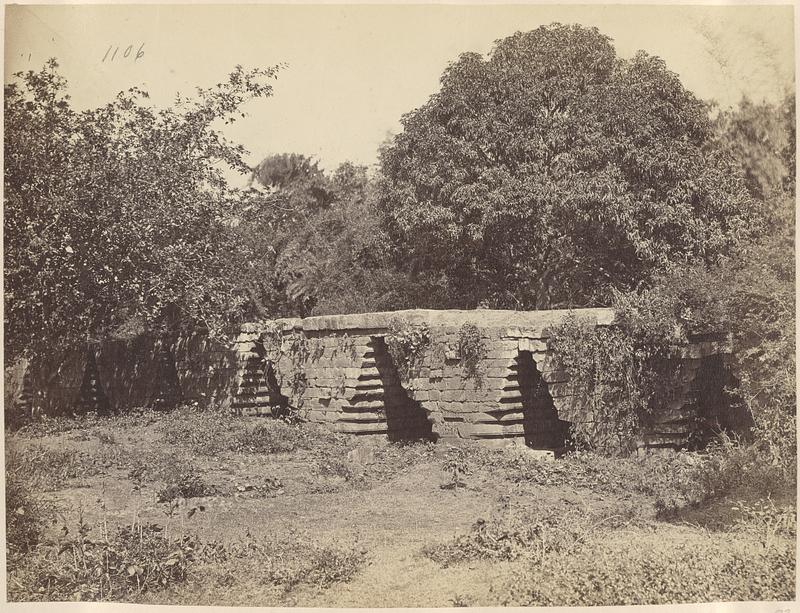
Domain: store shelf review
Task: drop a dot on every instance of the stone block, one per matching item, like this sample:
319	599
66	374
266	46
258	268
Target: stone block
532	345
454	383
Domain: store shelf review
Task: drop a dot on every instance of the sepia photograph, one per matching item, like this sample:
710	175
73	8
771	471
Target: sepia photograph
400	305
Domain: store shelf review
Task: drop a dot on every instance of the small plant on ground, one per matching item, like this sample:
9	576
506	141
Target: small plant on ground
53	468
184	484
106	438
286	563
211	433
766	521
640	568
456	466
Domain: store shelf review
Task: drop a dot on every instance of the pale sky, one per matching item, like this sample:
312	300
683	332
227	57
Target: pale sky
354	70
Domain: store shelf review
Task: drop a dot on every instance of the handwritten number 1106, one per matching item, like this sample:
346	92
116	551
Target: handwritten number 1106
113	51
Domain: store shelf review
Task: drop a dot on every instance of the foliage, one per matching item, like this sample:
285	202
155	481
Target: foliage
608	162
183	482
752	298
471	351
286	562
761	139
766	522
753	295
531	533
407	344
644	567
622	372
456	465
119	213
298	353
26	510
293	192
52	468
674	481
322	257
302	183
46	425
140	558
134	560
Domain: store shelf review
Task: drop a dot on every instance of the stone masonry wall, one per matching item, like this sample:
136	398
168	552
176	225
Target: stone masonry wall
121	375
337	370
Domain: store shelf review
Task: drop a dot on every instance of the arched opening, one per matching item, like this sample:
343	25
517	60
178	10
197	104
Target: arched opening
406	420
91	396
167	392
541	426
718	408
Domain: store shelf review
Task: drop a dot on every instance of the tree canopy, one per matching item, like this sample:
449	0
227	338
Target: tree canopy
552	171
117	214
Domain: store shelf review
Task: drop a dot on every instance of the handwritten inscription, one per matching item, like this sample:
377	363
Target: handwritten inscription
117	53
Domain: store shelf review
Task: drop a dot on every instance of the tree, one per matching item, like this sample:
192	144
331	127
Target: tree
750	294
119	213
315	241
552	171
758	137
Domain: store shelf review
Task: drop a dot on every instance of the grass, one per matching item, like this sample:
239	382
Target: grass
50	469
212	433
119	567
533	533
674	482
201	508
286	563
655	568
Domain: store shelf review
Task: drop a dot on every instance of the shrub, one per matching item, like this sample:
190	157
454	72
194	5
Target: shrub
674	481
407	344
471	351
184	484
456	465
623	373
271	436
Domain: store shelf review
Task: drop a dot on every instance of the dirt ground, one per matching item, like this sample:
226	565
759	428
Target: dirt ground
387	502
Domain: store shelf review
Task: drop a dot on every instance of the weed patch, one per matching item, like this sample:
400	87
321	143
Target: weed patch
26	511
649	569
674	481
51	469
135	560
285	563
212	433
530	533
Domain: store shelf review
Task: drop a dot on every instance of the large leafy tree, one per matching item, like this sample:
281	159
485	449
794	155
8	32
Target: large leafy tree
552	171
118	214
